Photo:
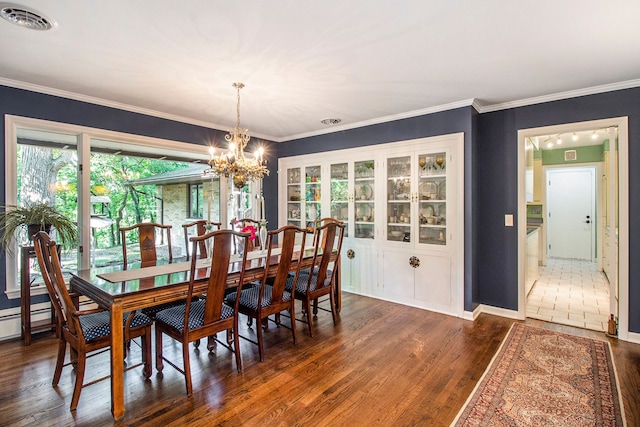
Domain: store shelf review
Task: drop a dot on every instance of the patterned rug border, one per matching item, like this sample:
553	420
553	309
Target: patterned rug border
506	340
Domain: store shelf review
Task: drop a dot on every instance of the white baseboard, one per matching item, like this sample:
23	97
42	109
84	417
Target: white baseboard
502	312
633	337
472	315
489	309
11	322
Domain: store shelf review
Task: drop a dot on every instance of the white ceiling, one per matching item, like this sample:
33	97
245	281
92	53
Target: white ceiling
361	61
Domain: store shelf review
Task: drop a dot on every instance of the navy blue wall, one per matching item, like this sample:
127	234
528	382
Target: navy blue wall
496	153
46	107
446	122
490	146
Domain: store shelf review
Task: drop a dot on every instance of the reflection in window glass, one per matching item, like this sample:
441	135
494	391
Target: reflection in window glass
128	190
196	198
47	174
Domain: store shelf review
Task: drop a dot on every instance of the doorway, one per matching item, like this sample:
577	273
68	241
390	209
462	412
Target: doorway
619	175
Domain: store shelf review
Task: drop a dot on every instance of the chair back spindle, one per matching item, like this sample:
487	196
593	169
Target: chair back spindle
200	229
147	241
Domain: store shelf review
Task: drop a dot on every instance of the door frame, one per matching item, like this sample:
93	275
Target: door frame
595	204
623	208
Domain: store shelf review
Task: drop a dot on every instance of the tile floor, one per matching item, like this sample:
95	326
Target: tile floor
570	292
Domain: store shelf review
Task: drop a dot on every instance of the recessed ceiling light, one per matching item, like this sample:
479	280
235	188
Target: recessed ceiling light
594	135
25	17
575	136
330	121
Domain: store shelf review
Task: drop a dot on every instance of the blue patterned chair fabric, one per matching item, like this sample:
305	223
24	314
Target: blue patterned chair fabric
98	325
208	316
174	316
249	297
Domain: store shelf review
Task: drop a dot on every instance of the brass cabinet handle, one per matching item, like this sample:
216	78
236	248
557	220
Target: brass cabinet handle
414	262
351	254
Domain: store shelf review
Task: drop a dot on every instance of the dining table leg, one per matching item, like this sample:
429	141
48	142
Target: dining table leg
338	287
117	364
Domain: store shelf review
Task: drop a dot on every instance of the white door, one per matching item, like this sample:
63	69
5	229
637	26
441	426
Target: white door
571	212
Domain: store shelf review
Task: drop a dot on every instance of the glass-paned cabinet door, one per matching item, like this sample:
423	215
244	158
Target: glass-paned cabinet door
432	198
399	199
339	196
313	207
364	186
294	198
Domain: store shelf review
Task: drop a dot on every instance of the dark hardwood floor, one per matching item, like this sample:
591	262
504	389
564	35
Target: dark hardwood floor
384	364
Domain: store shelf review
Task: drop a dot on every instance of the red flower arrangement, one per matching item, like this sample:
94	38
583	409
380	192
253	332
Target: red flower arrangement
246	229
249	229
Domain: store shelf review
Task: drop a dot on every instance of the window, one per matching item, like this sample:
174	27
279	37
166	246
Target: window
125	179
196	198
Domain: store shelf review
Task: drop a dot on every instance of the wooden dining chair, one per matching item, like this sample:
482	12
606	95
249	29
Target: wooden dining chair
310	287
200	229
270	297
84	330
207	316
147	232
317	224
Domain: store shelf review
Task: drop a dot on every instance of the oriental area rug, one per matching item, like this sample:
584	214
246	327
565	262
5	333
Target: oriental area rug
540	377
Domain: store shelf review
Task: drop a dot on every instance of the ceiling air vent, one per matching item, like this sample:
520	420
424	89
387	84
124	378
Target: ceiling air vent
330	121
25	17
570	156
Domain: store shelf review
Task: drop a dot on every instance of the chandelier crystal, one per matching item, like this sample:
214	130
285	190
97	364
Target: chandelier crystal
233	163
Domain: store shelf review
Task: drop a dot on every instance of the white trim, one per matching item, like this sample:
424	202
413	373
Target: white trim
102	134
11	319
498	311
83	134
385	119
628	84
472	315
40	289
112	104
561	95
633	337
623	208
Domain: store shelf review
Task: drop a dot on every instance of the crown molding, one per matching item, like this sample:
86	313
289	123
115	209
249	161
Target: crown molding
473	102
559	96
477	105
385	119
117	105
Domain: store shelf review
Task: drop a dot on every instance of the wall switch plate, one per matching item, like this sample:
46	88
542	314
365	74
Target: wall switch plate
508	220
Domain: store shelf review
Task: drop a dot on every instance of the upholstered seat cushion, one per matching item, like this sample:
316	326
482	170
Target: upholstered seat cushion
98	325
315	271
301	285
174	317
249	297
152	311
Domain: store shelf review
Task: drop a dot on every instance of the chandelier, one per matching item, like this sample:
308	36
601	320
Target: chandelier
233	163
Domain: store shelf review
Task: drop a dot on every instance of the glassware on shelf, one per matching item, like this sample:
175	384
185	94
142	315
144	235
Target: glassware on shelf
293	176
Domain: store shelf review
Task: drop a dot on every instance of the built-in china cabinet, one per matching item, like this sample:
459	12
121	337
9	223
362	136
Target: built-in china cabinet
402	204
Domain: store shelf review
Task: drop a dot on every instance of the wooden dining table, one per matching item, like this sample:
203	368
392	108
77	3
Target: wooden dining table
122	290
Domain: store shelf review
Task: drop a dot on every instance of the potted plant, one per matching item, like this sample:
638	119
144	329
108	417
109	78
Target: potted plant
35	217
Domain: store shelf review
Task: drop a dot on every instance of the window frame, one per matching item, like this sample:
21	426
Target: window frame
152	147
199	192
